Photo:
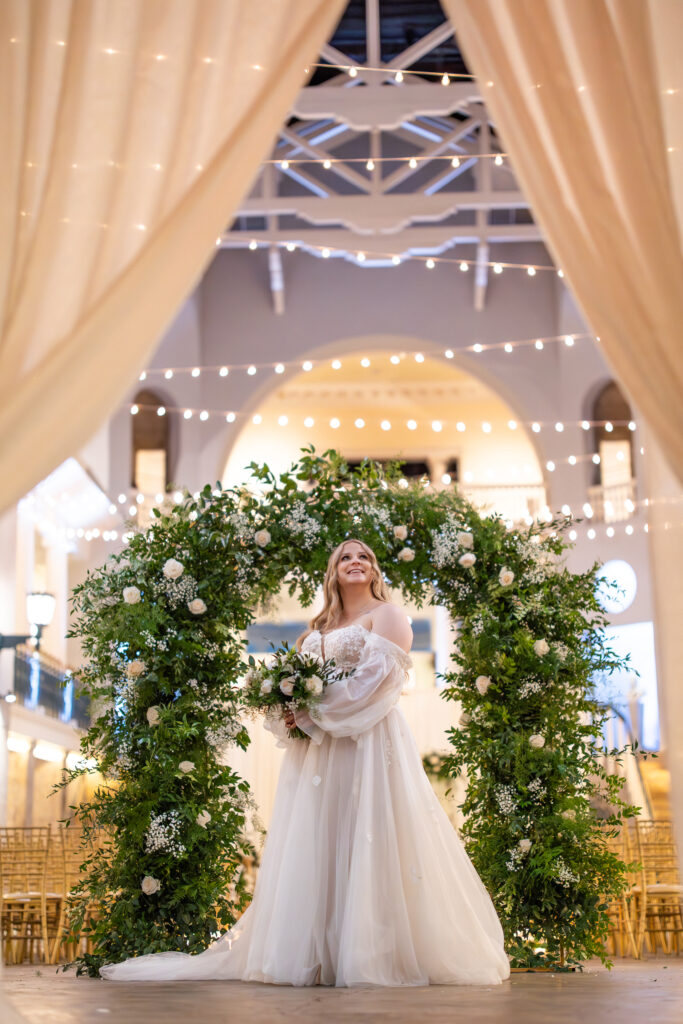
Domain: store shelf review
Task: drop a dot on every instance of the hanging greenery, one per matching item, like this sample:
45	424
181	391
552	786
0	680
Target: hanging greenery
162	630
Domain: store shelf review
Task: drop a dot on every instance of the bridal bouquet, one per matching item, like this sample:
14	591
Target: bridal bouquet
287	681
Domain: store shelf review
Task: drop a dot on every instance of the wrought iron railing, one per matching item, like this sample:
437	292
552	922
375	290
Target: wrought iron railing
42	682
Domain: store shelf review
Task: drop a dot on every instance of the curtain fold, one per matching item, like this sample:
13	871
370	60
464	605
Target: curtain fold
584	105
132	131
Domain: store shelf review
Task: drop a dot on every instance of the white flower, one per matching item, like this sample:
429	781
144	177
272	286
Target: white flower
541	647
266	686
262	538
524	845
131	595
466	539
186	767
203	818
505	577
482	683
153	715
250	677
568	814
135	668
537	741
465	719
467	561
197	607
400	532
406	555
314	685
173	569
287	685
150	885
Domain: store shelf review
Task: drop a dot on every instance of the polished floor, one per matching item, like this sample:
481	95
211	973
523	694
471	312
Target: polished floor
649	992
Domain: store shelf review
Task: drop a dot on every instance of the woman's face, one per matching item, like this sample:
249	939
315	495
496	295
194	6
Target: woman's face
354	568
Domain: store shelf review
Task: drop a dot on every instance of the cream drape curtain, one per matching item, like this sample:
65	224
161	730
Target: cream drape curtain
582	101
131	130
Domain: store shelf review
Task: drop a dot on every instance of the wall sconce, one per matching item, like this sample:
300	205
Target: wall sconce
40	607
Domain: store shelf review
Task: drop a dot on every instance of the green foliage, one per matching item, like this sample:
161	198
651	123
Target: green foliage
162	675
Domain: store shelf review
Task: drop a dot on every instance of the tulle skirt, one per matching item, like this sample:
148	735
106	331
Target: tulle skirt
363	881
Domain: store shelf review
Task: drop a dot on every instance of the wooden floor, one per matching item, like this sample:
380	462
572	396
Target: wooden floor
649	992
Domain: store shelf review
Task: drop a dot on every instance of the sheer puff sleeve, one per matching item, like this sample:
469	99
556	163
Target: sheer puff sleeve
353	705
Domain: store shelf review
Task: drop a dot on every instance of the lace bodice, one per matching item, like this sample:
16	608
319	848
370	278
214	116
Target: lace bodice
345	645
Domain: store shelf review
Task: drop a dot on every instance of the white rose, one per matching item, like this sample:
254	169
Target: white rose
131	595
135	668
465	719
505	577
153	715
197	607
287	685
467	561
250	677
314	685
465	539
266	686
406	555
400	532
262	538
537	741
482	683
541	647
186	767
150	885
524	845
173	569
203	818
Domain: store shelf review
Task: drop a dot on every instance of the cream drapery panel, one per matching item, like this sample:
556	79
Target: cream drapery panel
579	95
131	130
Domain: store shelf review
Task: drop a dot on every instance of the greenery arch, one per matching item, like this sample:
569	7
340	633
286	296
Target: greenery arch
164	653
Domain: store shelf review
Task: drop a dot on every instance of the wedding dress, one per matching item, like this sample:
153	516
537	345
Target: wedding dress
363	879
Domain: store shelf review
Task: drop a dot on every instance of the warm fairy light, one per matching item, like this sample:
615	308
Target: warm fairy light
508	347
253	244
512	424
307	366
251	370
352	72
486	427
283	421
560	273
290	247
385	425
196	371
395	360
419	358
335	423
531	271
396	260
550	466
566	511
477	347
370	165
398	77
437	426
497	269
585	425
572	460
608	427
336	364
411	425
569	340
143	376
327	164
596	459
536	427
284	165
360	423
445	80
230	417
559	427
632	425
140	498
168	374
449	353
610	531
588	510
161	411
257	418
430	264
204	415
412	163
325	254
309	422
498	161
460	426
279	368
591	534
134	410
455	162
629	529
464	267
538	344
223	372
365	362
573	534
187	414
360	257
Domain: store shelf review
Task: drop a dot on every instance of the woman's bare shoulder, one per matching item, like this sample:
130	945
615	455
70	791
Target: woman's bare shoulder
391	622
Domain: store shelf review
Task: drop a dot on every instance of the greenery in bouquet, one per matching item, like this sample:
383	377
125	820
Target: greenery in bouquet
288	680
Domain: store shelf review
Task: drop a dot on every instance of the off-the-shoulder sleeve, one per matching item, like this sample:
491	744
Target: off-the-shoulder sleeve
352	706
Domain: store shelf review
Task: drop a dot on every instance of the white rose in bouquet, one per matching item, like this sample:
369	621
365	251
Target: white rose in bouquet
197	607
173	569
524	845
150	885
186	767
262	538
314	685
131	595
482	683
537	741
467	561
541	647
135	668
266	686
505	577
406	555
287	685
466	539
153	715
400	532
203	818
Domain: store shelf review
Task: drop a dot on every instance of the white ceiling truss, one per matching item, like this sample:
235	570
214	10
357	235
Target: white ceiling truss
392	209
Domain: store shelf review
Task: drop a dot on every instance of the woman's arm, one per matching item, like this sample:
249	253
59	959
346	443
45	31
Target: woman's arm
392	623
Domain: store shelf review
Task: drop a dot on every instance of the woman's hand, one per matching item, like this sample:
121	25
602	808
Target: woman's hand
290	720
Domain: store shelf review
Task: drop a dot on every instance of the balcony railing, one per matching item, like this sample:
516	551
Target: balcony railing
512	501
43	683
612	503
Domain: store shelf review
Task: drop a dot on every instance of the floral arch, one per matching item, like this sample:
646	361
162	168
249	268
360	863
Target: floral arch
162	627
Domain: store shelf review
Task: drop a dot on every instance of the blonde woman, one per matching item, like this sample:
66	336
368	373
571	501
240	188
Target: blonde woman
363	879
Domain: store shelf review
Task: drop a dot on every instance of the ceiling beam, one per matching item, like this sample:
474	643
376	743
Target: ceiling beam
317	153
375	106
436	149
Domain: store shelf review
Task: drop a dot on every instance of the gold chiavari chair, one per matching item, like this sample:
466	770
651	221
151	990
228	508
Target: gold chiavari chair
660	912
23	896
623	911
73	853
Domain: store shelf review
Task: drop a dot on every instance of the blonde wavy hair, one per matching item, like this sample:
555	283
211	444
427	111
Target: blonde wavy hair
333	606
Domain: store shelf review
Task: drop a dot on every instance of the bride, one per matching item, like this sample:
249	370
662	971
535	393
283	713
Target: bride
363	879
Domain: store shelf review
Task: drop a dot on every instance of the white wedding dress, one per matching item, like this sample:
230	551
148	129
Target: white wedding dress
363	879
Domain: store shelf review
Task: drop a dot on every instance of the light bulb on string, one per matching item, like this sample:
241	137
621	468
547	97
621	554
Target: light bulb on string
396	260
498	160
230	417
538	344
508	347
325	253
134	410
588	510
632	425
591	534
445	80
536	427
168	375
365	362
449	353
429	264
398	77
359	423
460	427
572	460
455	161
187	415
608	427
251	370
464	267
497	268
585	425
223	372
204	415
290	246
143	376
257	419
531	271
419	358
412	163
335	423
307	366
336	364
596	459
437	426
253	244
477	347
360	257
411	425
395	360
327	164
486	427
559	427
279	368
569	341
309	422
161	411
196	371
282	421
352	72
285	165
370	165
512	424
385	425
